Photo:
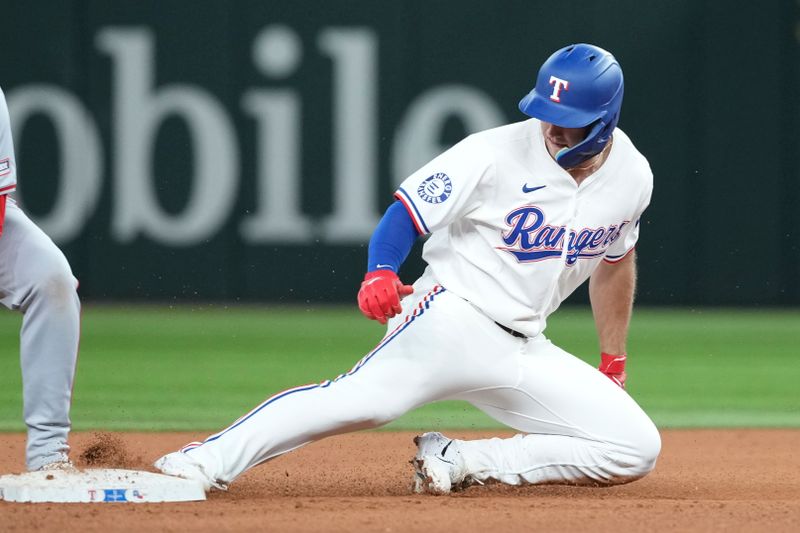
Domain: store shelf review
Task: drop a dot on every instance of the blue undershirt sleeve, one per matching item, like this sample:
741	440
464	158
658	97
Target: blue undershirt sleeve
392	239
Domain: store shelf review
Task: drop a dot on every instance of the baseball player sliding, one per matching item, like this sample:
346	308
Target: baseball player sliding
36	280
518	216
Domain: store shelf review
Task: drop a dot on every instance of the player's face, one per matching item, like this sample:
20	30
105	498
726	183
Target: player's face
556	137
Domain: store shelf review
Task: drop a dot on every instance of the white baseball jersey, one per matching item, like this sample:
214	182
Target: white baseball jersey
8	166
512	232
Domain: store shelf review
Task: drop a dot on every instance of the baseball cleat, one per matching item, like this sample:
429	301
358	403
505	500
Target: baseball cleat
179	464
63	464
438	464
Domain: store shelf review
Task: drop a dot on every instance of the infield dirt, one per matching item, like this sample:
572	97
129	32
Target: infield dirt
706	480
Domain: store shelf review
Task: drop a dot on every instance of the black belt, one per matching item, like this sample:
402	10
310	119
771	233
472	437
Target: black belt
510	331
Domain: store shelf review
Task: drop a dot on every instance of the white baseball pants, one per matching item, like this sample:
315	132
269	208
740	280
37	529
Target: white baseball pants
580	428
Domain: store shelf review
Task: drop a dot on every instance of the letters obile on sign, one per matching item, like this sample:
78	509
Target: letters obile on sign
125	162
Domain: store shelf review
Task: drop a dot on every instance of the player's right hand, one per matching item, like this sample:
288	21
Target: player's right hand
379	297
613	366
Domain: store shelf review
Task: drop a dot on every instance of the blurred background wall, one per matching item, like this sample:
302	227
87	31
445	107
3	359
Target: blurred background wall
244	150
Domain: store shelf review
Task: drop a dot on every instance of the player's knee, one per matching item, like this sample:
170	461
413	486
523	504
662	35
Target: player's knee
56	286
650	448
641	460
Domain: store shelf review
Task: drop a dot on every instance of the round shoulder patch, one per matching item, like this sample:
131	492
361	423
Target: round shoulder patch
435	189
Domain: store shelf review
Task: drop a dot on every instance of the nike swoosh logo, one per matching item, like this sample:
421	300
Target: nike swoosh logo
382	266
525	188
444	450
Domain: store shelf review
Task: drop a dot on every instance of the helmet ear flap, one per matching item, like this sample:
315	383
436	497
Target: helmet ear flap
609	125
595	141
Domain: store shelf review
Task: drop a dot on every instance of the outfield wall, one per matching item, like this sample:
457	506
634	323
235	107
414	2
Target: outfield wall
244	150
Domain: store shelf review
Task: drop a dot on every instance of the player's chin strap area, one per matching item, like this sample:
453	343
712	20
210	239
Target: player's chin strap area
593	144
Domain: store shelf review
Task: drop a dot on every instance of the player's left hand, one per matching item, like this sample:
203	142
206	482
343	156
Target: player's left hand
379	297
613	366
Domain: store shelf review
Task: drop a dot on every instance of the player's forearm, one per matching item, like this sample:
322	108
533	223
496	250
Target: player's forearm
611	290
381	291
392	240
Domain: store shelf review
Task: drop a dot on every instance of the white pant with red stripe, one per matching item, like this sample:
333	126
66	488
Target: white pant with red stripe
579	427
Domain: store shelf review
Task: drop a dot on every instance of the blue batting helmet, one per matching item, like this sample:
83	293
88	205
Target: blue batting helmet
578	86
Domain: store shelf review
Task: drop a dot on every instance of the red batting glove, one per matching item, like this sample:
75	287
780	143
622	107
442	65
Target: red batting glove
379	297
2	211
613	366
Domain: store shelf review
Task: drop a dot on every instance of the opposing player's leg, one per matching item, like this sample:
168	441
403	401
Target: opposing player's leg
36	279
428	353
580	428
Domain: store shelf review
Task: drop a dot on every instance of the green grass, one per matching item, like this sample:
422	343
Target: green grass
184	368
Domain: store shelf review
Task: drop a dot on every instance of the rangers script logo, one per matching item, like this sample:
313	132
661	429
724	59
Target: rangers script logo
530	239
